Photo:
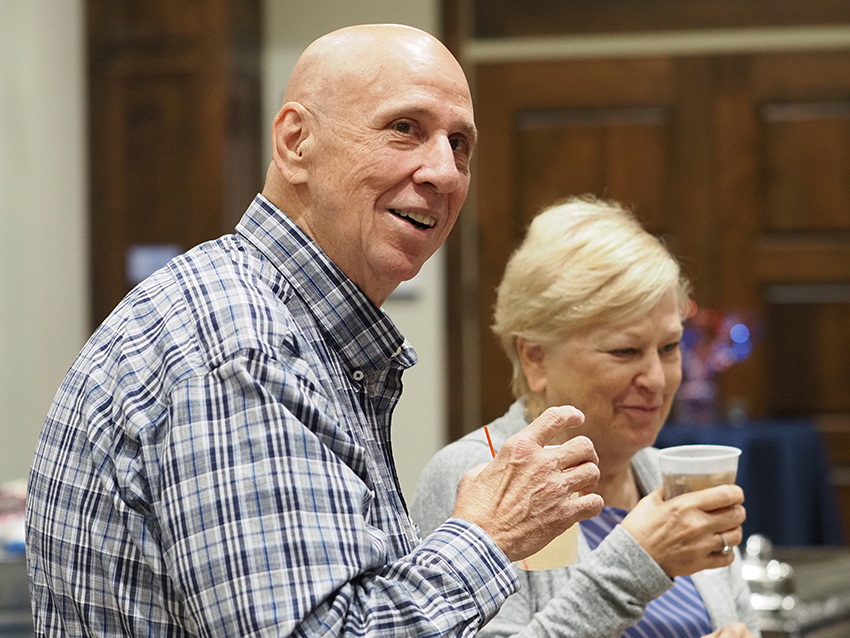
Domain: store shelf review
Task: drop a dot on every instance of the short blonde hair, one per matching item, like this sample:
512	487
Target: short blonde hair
583	261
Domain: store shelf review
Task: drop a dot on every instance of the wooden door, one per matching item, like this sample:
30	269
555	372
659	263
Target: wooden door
783	187
742	164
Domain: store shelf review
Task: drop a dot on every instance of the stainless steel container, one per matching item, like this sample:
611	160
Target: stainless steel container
799	592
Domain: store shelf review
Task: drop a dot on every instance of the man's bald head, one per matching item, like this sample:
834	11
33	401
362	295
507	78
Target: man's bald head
335	67
372	148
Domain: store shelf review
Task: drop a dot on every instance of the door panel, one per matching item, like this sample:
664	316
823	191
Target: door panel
807	153
809	359
783	169
606	127
594	151
500	18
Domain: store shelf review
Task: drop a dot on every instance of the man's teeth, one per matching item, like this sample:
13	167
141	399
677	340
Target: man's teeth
423	220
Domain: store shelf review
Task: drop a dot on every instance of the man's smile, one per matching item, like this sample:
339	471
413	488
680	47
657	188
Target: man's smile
417	219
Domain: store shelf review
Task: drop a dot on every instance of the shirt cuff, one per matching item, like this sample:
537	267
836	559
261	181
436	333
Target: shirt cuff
466	551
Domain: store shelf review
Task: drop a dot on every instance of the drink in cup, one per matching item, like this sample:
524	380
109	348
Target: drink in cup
689	468
560	552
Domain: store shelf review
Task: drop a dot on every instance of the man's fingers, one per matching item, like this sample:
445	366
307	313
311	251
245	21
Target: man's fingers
581	478
577	450
552	421
588	506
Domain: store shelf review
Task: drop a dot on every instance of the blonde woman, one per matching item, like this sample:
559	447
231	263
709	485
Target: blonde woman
590	312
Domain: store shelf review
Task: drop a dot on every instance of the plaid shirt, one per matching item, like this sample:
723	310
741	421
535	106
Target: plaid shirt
217	462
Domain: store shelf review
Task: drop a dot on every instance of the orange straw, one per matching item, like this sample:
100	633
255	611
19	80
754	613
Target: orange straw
490	441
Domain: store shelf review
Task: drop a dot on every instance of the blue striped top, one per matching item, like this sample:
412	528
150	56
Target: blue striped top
678	613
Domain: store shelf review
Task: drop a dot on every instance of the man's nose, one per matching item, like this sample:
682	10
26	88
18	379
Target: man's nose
439	166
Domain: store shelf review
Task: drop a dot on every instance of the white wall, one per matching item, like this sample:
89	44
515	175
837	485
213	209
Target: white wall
43	290
43	215
419	426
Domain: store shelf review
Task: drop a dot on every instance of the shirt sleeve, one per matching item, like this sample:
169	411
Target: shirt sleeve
265	531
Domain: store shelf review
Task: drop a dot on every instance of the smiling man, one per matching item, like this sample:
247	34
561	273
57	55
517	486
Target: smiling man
371	152
218	460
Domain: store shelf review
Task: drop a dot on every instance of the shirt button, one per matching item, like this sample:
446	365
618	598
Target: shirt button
358	375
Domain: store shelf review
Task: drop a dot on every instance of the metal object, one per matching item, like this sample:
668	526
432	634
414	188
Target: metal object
799	592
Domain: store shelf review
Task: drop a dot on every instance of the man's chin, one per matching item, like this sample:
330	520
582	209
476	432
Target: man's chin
404	269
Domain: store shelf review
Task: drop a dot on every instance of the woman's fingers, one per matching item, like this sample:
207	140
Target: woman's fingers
688	533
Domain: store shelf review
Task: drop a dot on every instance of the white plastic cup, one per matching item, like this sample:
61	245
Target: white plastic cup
561	551
689	468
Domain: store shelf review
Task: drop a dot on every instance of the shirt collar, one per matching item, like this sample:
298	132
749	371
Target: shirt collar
363	333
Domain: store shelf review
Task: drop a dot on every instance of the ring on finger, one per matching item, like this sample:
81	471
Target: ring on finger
726	549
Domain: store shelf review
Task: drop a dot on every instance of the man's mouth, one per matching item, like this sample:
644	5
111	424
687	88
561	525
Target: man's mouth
417	219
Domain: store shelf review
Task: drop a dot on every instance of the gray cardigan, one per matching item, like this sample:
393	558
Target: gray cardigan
608	589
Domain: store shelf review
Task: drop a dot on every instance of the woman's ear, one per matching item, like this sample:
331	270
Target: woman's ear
290	139
532	356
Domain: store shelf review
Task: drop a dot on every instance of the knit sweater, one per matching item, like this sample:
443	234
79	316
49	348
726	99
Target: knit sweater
608	589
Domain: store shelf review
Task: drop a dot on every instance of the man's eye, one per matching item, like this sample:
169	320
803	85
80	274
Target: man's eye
459	144
404	127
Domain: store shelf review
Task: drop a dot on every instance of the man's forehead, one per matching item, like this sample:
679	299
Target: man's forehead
395	84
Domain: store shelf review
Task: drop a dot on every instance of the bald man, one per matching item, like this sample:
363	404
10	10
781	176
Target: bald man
217	462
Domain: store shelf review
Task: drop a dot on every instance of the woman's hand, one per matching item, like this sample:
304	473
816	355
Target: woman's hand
688	533
732	630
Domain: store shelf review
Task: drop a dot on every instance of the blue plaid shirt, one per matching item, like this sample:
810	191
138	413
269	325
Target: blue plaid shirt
217	462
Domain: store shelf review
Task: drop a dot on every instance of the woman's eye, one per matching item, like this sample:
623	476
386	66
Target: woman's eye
624	352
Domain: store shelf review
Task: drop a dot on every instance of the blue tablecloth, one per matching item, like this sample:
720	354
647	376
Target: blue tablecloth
784	473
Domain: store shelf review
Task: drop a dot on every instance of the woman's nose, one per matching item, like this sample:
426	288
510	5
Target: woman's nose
653	376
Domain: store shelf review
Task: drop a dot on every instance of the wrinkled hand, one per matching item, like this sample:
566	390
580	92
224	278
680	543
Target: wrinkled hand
732	630
522	497
683	534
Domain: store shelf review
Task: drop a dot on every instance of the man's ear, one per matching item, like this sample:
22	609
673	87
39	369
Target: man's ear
290	139
532	357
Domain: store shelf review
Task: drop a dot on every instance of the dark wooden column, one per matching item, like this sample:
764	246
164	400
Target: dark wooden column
175	146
